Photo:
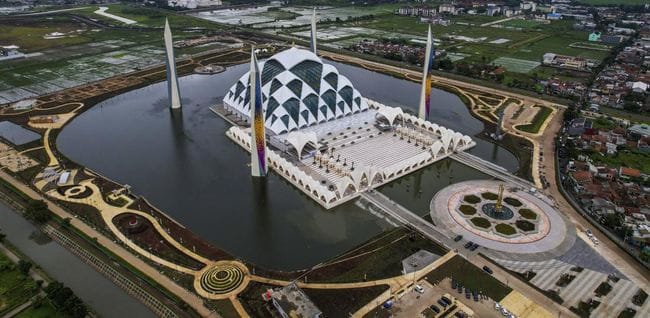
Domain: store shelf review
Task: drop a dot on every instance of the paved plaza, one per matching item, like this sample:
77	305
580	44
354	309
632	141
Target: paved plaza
552	233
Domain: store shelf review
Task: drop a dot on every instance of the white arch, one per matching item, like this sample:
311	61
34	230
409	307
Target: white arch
390	113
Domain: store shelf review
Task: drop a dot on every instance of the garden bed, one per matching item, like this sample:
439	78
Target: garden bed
603	289
565	280
467	209
472	199
505	229
489	195
513	202
481	222
524	225
528	214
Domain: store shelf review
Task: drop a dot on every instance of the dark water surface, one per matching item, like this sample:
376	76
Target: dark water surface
187	167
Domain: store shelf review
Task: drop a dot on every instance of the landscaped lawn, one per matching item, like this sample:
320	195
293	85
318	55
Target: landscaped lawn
481	222
528	214
512	201
489	195
467	209
470	276
524	225
505	229
472	199
539	119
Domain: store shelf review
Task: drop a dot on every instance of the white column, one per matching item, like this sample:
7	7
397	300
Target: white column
172	79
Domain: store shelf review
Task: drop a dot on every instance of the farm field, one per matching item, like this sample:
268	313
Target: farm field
520	23
149	17
516	65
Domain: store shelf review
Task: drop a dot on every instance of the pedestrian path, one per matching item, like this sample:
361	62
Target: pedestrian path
617	300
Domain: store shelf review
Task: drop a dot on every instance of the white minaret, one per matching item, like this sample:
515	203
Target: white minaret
313	32
425	94
172	79
258	135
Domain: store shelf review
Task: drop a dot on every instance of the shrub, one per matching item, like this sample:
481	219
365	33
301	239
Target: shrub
603	289
512	201
467	209
472	199
528	214
524	225
640	297
489	195
505	229
481	222
565	280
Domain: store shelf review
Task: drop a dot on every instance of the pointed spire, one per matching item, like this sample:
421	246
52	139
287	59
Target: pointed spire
313	32
425	94
258	135
172	79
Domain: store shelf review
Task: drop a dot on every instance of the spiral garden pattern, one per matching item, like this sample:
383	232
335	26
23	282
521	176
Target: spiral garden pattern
222	279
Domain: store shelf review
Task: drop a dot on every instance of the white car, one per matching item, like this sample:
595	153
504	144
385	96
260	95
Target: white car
497	306
419	289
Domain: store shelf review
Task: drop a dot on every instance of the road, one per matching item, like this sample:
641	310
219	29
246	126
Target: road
625	263
405	216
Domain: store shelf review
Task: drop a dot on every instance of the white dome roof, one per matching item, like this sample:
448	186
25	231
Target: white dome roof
298	90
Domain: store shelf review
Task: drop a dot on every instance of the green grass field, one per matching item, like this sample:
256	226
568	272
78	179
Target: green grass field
470	276
539	119
516	65
519	23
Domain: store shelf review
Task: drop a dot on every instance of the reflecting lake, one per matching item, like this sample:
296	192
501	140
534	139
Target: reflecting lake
186	166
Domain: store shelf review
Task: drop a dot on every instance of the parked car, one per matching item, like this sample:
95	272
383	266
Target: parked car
445	299
435	309
458	238
419	289
442	303
474	247
468	244
487	270
454	284
460	288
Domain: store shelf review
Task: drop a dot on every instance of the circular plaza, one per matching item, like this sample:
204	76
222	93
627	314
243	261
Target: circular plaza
501	218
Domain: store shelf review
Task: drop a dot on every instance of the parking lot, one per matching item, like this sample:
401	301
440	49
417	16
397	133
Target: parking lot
416	304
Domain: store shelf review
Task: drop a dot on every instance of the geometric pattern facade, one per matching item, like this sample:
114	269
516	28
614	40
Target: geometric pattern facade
298	90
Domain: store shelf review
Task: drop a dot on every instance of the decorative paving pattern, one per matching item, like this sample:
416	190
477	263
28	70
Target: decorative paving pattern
221	279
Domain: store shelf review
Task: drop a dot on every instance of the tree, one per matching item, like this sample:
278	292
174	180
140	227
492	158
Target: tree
612	220
38	212
24	267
